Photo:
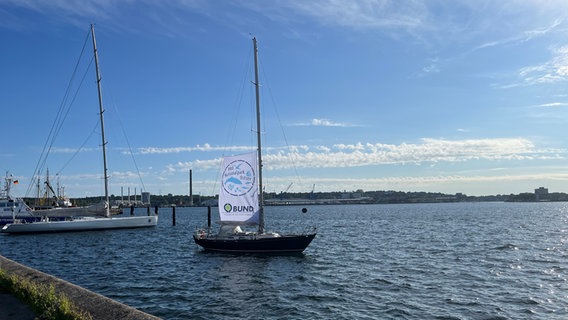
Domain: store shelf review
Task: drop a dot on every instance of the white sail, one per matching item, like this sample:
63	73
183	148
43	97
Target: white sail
238	197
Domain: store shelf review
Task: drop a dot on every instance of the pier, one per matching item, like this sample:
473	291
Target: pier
94	304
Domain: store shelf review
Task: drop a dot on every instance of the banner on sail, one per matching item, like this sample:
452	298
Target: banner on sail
238	197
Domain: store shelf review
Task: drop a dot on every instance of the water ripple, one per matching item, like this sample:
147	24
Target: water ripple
431	261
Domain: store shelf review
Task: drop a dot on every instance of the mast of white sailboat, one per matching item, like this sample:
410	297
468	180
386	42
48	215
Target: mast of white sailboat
260	190
101	111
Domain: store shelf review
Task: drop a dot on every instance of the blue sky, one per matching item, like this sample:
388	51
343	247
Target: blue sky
440	96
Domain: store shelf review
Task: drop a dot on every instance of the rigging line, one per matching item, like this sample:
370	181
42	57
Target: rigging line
60	119
66	114
80	148
239	101
127	143
43	153
290	153
69	108
74	98
252	116
234	116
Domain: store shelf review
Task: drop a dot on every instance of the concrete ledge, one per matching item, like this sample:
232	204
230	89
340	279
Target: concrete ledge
98	306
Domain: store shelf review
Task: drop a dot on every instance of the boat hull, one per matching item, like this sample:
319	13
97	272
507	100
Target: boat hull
281	244
27	219
81	224
94	210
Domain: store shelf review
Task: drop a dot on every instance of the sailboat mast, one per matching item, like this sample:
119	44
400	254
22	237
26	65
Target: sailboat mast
260	188
101	111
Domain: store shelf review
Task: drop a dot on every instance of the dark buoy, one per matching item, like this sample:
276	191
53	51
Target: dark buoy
304	210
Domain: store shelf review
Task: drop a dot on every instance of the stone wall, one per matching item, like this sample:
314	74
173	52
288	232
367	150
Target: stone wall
98	306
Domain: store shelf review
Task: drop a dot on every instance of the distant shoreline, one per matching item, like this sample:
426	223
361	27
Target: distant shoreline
325	198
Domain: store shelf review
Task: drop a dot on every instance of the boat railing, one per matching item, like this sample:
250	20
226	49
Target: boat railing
298	230
202	233
310	230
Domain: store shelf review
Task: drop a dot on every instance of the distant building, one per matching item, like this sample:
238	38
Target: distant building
541	194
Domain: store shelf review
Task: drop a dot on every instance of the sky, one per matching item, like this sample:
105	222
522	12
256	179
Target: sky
437	96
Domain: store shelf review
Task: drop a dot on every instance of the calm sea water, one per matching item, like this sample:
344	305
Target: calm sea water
420	261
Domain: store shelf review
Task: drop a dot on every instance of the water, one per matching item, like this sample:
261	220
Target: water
419	261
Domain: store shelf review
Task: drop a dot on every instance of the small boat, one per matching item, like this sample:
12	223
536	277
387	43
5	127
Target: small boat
85	223
241	204
13	207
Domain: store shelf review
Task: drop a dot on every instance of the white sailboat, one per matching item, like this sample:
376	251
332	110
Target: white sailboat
86	223
15	209
241	203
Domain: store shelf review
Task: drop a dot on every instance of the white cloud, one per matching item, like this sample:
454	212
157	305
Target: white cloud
524	36
70	150
324	123
553	104
341	146
372	154
362	14
205	147
323	148
432	67
552	71
208	148
196	165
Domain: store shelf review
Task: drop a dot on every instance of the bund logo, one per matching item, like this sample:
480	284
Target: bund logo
235	209
238	178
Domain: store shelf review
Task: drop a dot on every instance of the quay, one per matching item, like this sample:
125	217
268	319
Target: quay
94	304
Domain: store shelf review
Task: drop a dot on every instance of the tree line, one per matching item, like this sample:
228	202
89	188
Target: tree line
359	196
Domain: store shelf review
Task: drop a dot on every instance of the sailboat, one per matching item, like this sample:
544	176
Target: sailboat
15	209
86	223
241	203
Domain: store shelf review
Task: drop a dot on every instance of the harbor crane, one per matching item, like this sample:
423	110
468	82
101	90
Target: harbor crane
289	186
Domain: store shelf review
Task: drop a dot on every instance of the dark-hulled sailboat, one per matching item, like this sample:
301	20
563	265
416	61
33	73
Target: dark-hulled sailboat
241	204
